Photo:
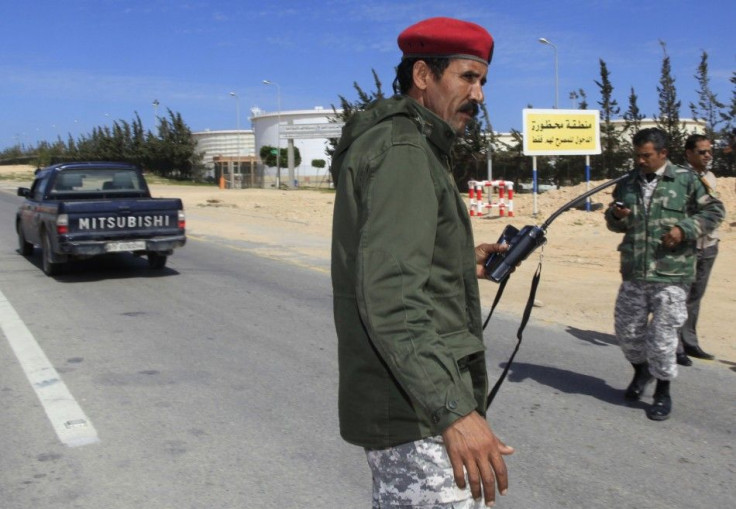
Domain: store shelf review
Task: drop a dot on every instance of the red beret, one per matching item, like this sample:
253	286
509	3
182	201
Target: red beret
447	37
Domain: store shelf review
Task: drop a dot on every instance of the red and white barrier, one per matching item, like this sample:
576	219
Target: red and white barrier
475	191
478	206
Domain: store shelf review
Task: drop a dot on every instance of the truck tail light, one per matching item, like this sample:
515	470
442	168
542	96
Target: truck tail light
62	224
182	220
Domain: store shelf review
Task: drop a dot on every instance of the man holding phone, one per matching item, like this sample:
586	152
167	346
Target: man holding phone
661	209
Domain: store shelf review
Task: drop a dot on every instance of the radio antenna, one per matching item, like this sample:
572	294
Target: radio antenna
580	198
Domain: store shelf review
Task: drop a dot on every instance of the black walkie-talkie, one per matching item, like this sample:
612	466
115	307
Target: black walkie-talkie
521	244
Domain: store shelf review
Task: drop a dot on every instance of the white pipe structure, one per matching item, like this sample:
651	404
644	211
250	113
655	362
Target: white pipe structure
278	132
237	134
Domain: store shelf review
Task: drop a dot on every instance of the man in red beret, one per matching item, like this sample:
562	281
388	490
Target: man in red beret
413	379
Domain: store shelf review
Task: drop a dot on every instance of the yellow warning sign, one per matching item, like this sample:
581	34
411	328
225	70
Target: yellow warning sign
561	132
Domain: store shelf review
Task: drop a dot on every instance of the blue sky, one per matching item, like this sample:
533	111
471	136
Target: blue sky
66	67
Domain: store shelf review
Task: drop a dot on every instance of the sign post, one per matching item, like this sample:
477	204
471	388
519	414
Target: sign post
560	133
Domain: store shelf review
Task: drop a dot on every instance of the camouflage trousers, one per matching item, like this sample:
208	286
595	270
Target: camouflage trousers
417	474
651	340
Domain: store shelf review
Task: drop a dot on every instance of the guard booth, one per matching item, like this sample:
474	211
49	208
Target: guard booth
237	172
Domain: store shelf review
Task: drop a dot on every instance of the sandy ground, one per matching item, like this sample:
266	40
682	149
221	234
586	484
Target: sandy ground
580	275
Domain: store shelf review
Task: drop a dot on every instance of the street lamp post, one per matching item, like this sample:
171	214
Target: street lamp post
557	80
237	139
278	132
155	112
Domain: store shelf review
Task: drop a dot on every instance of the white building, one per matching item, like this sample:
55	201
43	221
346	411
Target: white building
307	130
229	143
230	154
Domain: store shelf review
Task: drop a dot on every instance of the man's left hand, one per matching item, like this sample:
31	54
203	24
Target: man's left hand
482	252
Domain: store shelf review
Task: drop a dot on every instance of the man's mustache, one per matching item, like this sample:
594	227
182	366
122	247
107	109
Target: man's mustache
470	108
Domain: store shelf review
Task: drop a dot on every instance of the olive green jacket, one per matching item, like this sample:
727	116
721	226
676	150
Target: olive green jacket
406	303
680	199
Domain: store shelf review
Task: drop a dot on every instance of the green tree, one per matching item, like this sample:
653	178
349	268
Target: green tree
632	119
708	108
50	153
729	116
14	154
669	111
137	141
574	98
268	156
349	108
609	163
727	145
173	152
583	104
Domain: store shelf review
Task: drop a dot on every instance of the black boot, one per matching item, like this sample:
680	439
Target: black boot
662	405
639	383
683	359
698	353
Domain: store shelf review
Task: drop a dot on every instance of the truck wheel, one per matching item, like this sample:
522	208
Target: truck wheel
156	260
50	268
24	247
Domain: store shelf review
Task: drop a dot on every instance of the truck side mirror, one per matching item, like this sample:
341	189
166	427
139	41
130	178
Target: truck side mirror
24	192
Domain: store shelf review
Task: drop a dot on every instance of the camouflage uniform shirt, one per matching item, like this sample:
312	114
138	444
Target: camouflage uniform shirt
679	199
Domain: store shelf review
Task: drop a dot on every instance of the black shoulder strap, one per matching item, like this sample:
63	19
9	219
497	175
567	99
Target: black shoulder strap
522	325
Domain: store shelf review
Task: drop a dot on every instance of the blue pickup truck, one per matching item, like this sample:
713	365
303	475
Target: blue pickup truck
80	210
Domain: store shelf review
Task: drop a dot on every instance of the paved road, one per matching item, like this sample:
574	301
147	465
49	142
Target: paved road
212	384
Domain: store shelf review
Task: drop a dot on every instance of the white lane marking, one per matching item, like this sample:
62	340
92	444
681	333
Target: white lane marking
67	418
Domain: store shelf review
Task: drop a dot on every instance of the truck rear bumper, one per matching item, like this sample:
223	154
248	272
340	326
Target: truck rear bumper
86	248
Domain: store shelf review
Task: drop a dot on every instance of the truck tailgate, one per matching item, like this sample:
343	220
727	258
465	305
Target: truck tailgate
124	218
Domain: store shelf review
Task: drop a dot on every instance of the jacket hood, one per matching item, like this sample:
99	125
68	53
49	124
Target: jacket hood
364	120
